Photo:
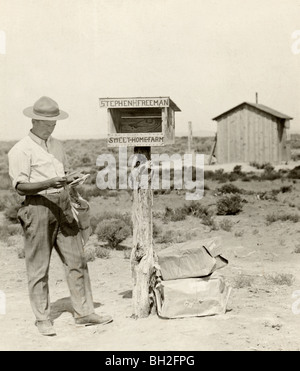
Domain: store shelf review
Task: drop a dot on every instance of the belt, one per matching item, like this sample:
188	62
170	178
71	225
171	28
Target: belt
51	191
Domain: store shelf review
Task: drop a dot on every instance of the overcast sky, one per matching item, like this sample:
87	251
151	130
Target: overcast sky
207	55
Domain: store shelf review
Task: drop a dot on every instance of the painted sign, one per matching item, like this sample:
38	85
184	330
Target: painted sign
134	102
140	140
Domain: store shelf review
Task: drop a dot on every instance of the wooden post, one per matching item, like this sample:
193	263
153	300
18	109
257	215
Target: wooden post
213	149
190	138
142	256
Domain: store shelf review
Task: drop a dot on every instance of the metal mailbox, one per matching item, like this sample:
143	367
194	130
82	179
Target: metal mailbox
140	122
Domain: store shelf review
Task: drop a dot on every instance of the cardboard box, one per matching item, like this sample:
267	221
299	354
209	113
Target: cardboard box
191	259
193	297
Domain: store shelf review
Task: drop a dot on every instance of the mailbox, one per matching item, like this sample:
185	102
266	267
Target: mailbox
140	122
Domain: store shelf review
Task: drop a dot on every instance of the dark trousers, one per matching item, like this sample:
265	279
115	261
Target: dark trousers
48	223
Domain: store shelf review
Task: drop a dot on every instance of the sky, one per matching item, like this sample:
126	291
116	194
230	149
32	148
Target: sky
207	55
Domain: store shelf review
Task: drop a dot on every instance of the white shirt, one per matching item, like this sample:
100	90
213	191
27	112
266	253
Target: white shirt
33	160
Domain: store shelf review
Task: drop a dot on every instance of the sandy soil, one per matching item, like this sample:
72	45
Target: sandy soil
259	316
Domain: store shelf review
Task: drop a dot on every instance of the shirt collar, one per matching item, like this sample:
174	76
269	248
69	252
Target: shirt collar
38	140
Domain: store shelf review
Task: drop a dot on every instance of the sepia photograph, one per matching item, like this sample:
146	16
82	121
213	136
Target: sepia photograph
149	178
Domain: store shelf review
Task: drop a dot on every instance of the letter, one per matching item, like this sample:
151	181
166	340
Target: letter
110	172
296	44
123	156
2	303
2	42
118	362
108	362
190	361
188	177
152	361
296	304
138	177
136	362
166	160
102	103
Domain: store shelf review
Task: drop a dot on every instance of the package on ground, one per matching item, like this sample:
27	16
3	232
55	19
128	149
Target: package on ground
192	297
193	259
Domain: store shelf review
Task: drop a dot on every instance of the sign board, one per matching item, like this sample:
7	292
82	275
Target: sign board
140	122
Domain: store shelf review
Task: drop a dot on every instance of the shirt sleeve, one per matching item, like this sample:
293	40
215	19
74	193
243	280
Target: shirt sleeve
19	167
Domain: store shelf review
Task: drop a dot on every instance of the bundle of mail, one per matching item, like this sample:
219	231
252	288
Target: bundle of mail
189	285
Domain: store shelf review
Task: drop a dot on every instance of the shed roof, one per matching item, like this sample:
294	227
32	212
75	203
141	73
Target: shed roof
260	107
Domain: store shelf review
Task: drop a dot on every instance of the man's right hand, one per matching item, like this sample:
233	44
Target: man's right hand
57	182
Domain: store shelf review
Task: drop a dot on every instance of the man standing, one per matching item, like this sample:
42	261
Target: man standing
37	169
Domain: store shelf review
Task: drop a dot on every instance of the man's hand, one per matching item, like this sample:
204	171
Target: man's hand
73	176
57	182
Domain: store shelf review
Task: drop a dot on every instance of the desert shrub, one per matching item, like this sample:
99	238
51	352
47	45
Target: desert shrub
232	177
262	166
3	203
5	181
269	195
268	168
86	160
229	188
229	205
239	234
172	215
286	189
88	192
196	209
127	254
237	169
13	204
272	218
297	249
109	215
113	194
226	225
270	175
209	221
281	279
174	236
114	231
3	233
90	254
11	213
14	229
294	173
241	281
21	252
157	230
102	252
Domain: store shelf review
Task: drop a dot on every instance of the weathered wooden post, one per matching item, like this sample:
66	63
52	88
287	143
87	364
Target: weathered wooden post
141	123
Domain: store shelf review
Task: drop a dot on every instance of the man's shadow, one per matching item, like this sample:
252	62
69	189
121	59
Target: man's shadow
64	306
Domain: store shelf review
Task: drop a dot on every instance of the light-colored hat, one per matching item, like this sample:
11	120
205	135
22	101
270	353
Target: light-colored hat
45	109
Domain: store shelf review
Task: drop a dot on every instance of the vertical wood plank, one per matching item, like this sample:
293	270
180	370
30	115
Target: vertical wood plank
142	256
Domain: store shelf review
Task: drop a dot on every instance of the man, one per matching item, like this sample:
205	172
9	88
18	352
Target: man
37	169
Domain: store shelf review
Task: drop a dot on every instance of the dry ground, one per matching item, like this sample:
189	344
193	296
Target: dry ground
259	316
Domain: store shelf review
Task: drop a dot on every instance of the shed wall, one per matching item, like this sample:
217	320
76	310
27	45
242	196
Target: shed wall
249	135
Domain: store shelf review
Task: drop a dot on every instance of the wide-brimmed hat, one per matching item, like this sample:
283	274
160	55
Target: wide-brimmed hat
45	109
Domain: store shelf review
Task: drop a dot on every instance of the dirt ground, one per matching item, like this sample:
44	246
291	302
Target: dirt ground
259	316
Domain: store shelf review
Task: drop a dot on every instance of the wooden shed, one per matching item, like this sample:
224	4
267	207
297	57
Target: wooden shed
253	132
